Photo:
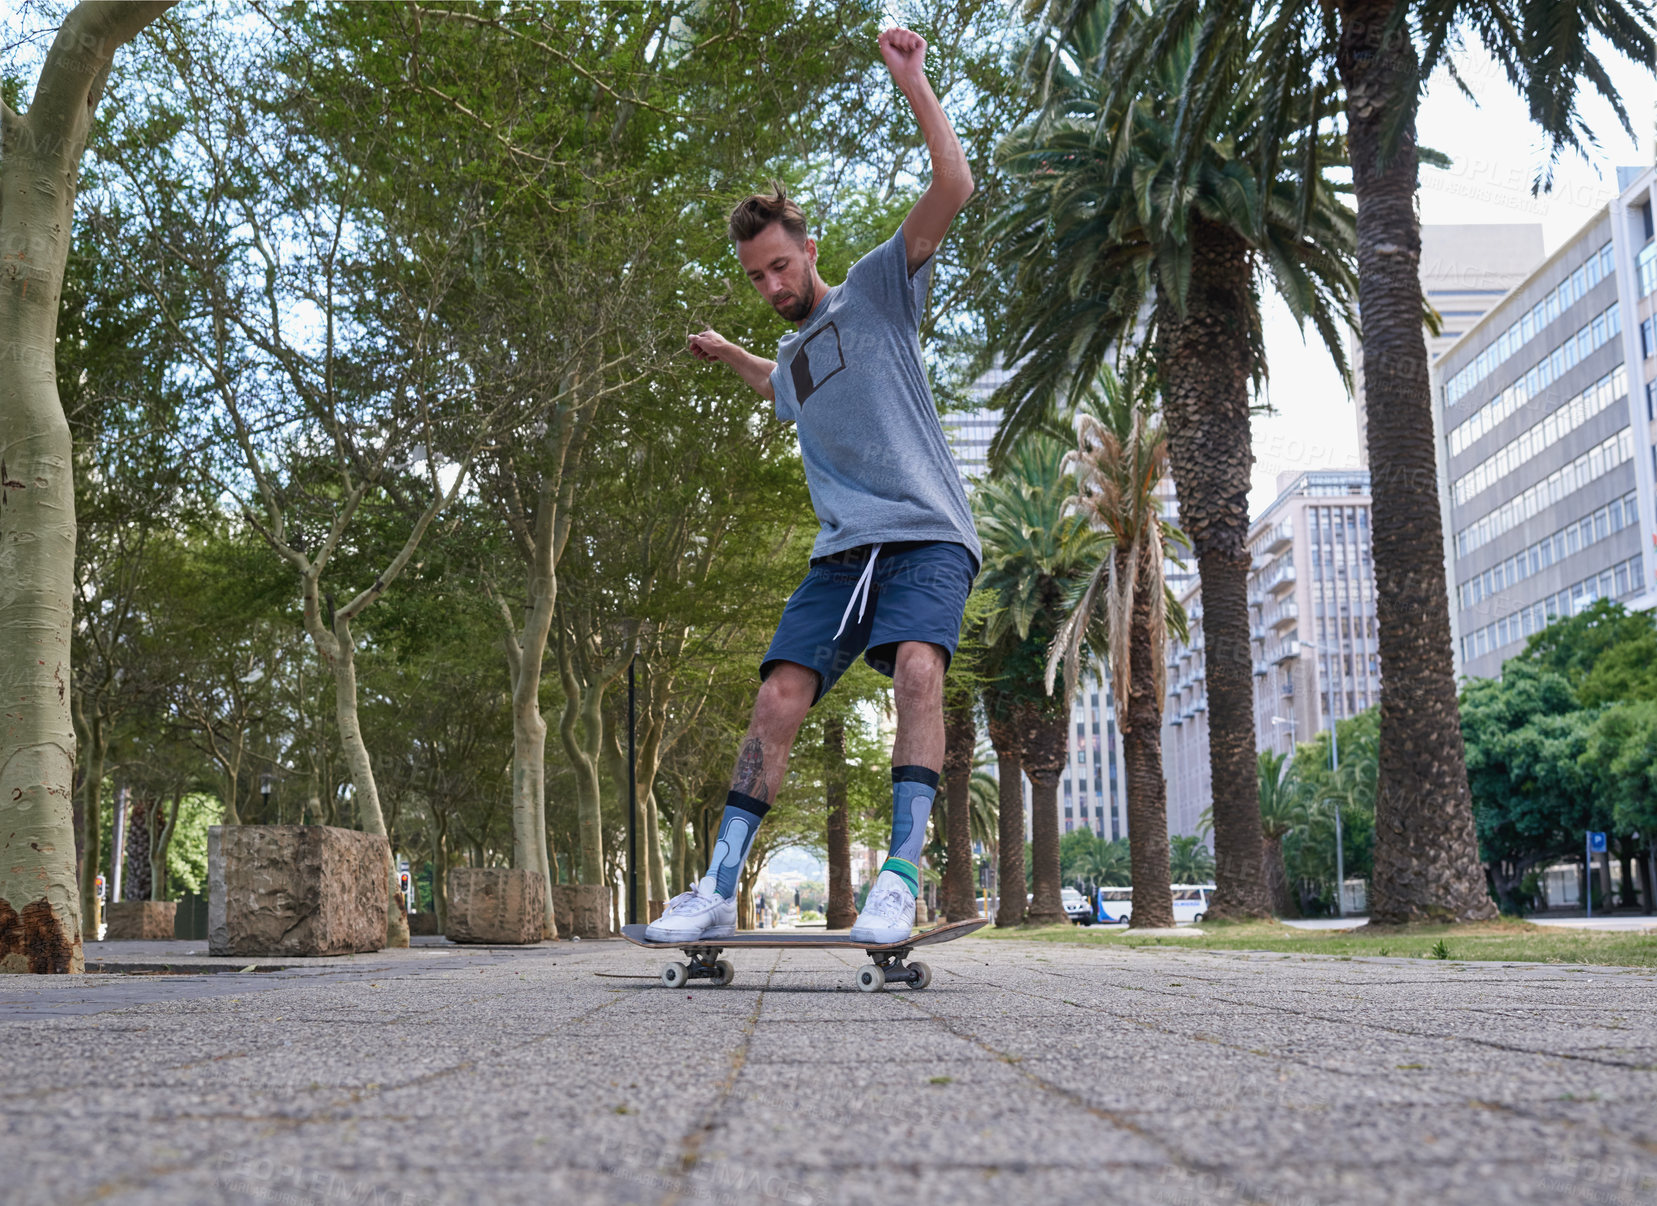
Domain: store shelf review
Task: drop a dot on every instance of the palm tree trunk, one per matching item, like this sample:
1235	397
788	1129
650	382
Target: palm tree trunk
1204	357
1009	871
960	738
1141	721
1044	740
842	902
1426	854
1277	875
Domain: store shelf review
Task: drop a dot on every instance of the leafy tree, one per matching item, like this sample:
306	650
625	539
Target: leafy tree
1533	798
1605	652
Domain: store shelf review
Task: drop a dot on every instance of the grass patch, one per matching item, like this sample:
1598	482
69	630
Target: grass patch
1501	941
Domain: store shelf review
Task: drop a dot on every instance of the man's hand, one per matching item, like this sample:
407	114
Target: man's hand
710	345
904	51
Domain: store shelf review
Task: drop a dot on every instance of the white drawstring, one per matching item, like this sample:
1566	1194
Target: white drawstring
860	591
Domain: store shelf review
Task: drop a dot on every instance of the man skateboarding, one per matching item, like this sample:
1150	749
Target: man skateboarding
896	552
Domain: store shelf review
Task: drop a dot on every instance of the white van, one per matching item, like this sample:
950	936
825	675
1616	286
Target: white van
1190	903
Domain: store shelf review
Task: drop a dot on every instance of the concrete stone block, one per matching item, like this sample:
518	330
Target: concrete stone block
295	890
496	904
141	920
582	910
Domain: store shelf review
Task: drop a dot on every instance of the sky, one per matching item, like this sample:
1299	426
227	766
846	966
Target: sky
1496	151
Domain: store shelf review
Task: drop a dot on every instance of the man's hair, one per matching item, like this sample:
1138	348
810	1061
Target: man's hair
761	210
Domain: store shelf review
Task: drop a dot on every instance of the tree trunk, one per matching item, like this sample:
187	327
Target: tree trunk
136	882
159	845
1277	876
355	749
1044	743
1204	356
1009	871
841	909
960	740
90	730
40	155
1140	717
656	873
1426	853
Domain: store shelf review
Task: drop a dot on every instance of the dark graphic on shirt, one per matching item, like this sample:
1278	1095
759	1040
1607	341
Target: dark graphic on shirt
818	359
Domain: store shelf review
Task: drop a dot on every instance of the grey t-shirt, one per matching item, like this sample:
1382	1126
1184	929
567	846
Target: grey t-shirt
853	382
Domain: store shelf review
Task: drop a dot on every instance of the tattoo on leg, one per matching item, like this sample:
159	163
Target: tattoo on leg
750	771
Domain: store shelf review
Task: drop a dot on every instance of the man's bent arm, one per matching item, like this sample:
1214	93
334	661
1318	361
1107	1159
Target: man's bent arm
951	184
755	370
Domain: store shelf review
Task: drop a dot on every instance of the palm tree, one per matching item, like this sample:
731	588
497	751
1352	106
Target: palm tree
1382	52
1283	812
1189	861
1120	457
1034	552
1108	244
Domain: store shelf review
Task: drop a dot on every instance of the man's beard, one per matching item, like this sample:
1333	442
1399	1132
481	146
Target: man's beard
802	305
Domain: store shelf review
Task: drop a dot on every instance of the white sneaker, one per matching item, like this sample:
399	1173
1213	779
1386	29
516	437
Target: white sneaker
699	913
888	912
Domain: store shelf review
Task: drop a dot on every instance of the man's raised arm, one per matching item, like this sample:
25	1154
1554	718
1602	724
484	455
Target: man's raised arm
755	370
905	54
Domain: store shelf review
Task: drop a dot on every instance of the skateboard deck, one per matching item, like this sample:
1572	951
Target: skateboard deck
888	964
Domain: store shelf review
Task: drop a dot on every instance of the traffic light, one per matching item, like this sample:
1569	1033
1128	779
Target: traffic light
403	886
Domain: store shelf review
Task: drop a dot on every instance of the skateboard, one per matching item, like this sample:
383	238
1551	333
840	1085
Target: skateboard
889	960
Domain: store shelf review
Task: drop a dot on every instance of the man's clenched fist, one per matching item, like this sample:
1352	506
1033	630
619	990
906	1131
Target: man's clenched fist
904	51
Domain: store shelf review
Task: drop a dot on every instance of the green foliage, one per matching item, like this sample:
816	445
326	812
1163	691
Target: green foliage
1189	859
1605	653
187	853
1086	859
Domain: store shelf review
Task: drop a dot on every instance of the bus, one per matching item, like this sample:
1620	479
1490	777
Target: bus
1115	905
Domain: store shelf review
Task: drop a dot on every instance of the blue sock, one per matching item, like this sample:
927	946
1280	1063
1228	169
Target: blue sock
736	835
913	788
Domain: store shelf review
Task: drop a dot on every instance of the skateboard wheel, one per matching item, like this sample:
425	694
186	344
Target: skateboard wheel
871	979
727	973
674	975
922	976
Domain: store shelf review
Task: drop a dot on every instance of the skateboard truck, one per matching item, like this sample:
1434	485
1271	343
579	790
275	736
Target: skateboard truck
704	964
889	968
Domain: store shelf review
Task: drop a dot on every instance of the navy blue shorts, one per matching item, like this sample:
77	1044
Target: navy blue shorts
919	593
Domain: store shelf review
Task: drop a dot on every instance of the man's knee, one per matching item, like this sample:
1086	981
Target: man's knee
918	675
785	696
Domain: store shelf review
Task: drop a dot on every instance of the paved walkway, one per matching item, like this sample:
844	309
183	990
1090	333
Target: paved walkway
1028	1072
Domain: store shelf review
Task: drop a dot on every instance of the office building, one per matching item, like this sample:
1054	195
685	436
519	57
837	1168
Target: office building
1311	593
1543	413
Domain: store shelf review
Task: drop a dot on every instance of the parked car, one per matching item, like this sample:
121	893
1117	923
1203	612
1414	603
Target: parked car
1076	907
